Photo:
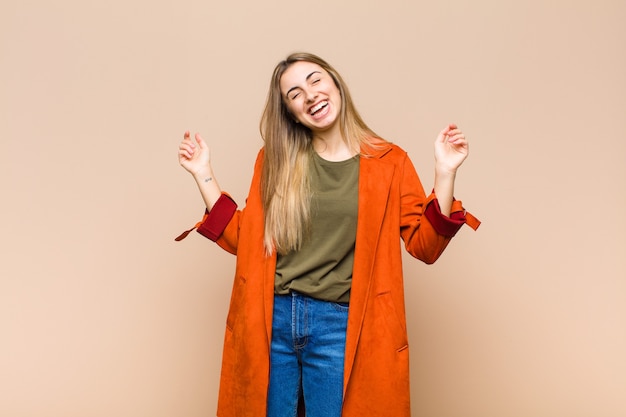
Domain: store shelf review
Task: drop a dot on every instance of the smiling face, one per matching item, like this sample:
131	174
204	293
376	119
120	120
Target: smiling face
311	96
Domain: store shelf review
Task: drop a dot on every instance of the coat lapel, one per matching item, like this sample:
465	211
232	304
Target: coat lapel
375	177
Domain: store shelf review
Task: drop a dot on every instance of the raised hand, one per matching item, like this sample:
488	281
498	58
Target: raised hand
451	149
194	156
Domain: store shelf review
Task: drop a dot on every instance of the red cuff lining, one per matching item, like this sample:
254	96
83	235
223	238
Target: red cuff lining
214	222
446	226
218	218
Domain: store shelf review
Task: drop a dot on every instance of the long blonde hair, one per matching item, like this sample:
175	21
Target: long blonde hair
285	187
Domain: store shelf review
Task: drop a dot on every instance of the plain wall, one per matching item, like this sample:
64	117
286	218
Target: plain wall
103	314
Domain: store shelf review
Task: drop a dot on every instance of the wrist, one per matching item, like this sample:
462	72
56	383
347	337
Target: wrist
445	172
203	175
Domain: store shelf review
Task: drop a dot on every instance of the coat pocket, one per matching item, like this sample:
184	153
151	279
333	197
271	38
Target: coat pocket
397	331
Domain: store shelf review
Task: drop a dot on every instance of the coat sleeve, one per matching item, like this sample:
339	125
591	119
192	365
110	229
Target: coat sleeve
424	229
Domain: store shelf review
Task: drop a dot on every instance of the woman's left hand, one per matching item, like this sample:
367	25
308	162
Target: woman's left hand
451	149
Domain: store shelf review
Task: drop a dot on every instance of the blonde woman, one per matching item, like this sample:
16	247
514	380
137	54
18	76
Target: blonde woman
316	321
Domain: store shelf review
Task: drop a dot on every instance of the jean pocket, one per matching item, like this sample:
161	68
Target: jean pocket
344	307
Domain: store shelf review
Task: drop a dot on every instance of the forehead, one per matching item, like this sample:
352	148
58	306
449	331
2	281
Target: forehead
297	74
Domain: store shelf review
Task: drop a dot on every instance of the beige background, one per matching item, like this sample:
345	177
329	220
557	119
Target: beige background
103	314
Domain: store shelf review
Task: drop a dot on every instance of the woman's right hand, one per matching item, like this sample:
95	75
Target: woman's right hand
194	157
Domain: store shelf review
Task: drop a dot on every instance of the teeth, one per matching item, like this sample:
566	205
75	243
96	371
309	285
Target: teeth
318	107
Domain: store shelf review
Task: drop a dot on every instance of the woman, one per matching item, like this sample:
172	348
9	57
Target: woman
316	316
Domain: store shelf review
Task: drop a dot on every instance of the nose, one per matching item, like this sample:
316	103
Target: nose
310	95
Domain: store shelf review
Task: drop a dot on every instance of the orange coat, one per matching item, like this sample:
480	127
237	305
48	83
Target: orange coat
376	371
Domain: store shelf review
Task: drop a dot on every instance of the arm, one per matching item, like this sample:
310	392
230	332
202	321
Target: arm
423	228
220	208
196	159
428	223
222	220
451	149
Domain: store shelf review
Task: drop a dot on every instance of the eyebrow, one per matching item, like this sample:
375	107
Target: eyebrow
307	79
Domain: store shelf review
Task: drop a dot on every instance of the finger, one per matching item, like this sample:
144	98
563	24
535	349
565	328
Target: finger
187	142
200	141
443	134
454	138
187	149
460	143
186	153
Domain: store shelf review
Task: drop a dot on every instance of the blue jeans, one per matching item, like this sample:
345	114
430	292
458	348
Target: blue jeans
307	354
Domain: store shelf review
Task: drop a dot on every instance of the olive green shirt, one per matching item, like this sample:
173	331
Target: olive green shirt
322	268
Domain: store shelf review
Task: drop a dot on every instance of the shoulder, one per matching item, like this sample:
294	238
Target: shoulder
260	157
383	150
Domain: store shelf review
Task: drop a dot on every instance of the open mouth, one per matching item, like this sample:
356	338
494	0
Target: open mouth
318	107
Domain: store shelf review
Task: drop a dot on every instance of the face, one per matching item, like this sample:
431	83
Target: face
311	96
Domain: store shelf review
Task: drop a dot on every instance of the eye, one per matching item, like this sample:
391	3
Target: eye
315	81
295	95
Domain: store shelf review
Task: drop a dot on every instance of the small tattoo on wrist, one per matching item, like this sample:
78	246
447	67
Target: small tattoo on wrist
208	179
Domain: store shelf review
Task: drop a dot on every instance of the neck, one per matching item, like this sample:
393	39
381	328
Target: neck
331	146
334	149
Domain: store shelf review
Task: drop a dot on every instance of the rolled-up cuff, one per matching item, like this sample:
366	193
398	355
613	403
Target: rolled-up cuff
444	225
216	220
